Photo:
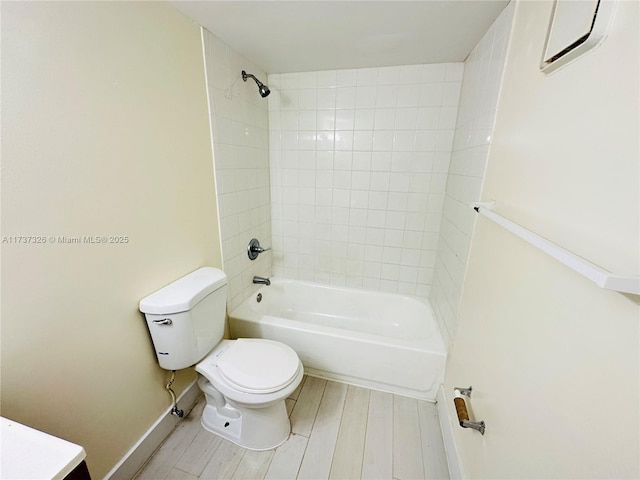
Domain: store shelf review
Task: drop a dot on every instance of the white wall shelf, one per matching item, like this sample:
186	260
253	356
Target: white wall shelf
603	278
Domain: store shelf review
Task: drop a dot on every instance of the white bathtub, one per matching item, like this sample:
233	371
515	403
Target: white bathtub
378	340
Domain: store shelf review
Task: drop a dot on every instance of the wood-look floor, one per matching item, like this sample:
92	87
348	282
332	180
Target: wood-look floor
338	432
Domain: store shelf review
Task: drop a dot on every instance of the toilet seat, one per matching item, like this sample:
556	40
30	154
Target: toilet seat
255	366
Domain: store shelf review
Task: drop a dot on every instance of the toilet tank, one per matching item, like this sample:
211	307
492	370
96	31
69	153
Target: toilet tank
186	318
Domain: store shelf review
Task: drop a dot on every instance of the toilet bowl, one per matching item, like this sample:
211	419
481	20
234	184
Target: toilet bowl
245	381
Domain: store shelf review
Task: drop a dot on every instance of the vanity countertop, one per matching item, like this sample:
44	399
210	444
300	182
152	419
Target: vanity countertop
31	454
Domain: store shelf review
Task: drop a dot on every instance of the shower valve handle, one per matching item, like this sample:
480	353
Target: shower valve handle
254	249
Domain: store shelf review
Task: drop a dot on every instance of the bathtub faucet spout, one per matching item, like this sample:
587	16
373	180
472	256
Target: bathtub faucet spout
262	280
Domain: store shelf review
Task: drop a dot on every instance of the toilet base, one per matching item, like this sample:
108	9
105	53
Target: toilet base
252	428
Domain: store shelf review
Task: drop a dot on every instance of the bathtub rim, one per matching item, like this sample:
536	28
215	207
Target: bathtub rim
439	348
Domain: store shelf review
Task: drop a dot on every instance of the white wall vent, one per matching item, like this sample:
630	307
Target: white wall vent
576	27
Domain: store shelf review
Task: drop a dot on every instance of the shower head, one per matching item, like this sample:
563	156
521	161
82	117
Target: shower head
262	88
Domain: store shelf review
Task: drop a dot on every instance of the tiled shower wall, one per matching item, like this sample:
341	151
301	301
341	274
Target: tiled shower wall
239	118
359	162
472	140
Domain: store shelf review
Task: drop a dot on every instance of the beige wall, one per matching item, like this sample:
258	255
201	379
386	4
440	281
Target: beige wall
104	132
553	359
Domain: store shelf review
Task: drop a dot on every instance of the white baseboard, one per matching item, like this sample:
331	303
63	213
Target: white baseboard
136	457
453	457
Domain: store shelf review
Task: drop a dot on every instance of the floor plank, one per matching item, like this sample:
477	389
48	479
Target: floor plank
407	443
304	412
224	461
435	458
177	474
254	465
196	457
349	451
176	444
316	462
287	459
377	462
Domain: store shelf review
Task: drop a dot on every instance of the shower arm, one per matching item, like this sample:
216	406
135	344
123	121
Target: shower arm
262	88
246	75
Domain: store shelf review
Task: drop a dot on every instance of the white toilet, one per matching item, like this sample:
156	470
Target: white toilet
245	381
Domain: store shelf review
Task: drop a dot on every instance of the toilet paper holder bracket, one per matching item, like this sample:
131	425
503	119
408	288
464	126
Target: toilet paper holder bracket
461	410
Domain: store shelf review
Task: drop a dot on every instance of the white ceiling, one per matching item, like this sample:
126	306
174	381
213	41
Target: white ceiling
298	36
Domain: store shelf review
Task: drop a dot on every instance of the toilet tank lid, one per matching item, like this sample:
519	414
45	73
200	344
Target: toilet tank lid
185	293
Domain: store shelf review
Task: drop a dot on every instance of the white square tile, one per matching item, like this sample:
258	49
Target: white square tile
357	234
378	201
359	199
346	78
346	97
393	238
342	179
406	118
358	217
428	118
417	202
365	97
343	140
395	219
404	141
307	139
342	160
408	95
431	95
367	76
324	179
372	269
386	96
325	141
361	161
389	271
375	236
345	119
307	80
379	181
401	161
327	78
326	119
307	100
448	117
364	119
381	161
434	73
324	160
383	141
385	118
426	140
451	94
360	180
326	98
307	120
410	74
388	75
363	140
